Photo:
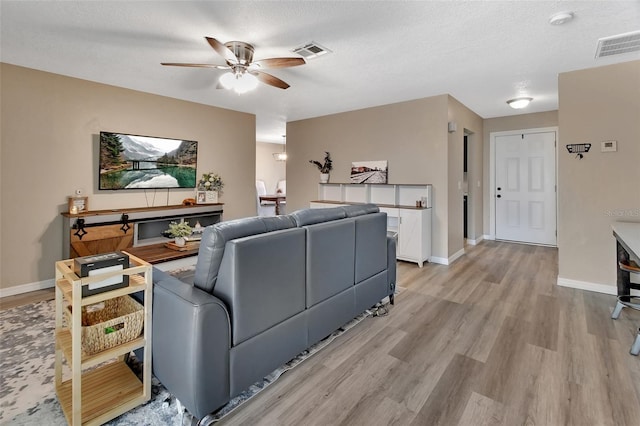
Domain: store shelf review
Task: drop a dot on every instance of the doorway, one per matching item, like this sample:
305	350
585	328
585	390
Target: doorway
523	187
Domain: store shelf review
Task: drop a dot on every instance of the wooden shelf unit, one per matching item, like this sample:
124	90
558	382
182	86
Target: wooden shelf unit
110	389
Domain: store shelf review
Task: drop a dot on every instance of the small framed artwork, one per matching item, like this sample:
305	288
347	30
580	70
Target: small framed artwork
206	197
369	172
78	204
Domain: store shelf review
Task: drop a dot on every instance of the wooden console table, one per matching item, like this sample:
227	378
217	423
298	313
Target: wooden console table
132	229
158	253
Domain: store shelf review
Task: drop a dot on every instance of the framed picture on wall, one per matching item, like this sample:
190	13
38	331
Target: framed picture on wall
369	172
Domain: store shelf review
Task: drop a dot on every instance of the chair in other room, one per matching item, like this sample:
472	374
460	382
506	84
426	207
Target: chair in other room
264	208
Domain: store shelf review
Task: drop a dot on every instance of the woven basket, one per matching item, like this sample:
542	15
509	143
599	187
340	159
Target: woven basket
109	323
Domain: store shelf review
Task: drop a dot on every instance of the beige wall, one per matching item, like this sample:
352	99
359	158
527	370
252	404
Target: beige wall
596	105
50	127
267	168
503	124
411	136
470	122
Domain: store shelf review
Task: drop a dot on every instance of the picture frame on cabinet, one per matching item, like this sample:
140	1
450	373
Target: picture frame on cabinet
78	204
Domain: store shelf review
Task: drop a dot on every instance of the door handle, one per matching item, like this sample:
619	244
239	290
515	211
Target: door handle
499	189
498	196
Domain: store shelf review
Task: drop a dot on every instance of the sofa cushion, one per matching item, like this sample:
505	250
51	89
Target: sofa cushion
262	281
330	259
311	216
360	209
371	245
214	240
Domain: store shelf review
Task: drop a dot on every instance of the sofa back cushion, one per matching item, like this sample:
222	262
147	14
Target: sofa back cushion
330	258
214	240
262	281
371	245
360	209
311	216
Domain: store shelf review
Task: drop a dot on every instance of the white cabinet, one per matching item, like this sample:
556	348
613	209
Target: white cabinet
411	224
414	235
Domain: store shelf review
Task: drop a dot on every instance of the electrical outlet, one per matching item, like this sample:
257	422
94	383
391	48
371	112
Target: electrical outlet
608	146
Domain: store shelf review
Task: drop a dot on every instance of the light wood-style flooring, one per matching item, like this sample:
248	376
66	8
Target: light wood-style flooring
488	340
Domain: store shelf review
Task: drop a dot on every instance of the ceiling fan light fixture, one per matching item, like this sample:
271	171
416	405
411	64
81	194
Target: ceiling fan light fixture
245	82
239	82
228	80
519	103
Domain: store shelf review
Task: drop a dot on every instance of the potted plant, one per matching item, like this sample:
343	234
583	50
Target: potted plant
325	167
179	230
209	187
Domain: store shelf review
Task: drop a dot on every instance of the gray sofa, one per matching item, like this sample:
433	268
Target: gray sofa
265	289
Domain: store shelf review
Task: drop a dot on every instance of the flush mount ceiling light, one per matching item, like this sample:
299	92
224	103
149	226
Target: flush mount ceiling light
519	103
560	18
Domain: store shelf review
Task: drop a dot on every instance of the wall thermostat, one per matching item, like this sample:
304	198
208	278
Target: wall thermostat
608	146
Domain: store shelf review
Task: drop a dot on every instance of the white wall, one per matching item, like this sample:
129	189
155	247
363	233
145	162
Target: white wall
596	105
49	138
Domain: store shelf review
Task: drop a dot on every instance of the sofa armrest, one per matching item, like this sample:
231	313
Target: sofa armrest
191	341
391	267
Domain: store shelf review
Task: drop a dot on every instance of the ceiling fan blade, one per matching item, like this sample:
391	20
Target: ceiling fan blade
222	50
269	79
279	62
178	64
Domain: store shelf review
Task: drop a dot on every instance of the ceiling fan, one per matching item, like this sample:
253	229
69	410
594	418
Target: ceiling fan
244	73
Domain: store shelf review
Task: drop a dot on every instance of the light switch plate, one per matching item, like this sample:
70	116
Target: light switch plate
608	146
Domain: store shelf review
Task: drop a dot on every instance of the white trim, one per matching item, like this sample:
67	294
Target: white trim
476	241
488	237
456	256
589	286
26	288
446	261
492	170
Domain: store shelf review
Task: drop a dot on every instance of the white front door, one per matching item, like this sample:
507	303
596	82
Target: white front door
525	192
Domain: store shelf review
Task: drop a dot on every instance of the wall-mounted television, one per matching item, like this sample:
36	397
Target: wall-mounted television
146	162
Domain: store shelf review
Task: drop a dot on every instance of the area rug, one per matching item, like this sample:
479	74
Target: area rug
27	389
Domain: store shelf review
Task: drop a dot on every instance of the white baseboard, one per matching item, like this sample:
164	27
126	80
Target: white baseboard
488	237
26	288
445	260
589	286
476	241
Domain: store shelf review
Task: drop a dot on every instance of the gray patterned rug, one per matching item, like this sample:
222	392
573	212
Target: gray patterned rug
27	390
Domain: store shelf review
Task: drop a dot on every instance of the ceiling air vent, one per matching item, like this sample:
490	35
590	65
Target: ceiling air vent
311	50
619	44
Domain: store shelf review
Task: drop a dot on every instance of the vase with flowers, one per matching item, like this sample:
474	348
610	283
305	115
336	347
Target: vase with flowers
209	187
324	167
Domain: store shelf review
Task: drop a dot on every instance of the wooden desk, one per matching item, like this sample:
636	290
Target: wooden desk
628	248
277	198
158	253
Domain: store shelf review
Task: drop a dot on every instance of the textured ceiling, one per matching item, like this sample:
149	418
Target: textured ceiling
481	52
